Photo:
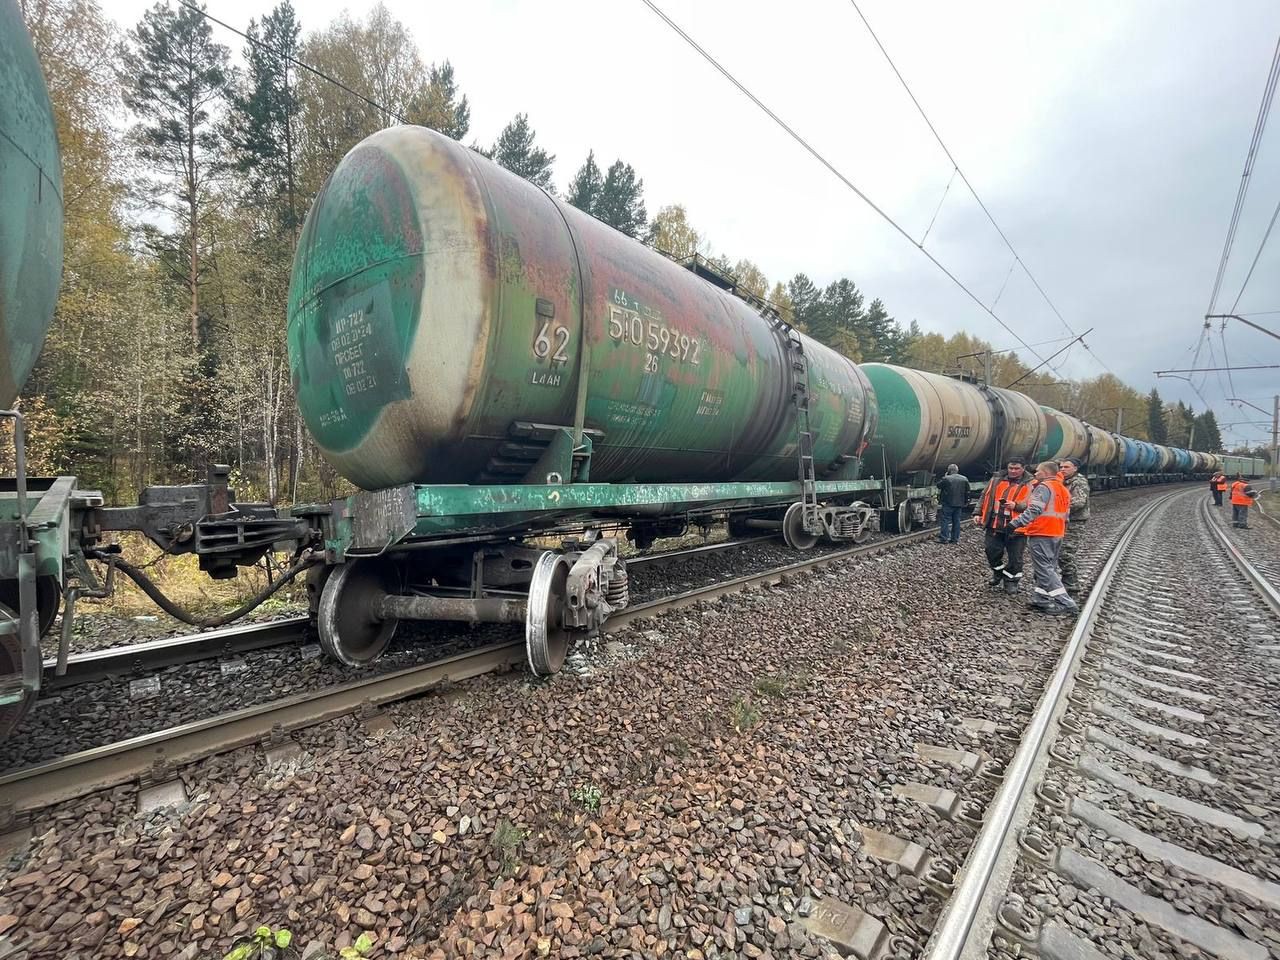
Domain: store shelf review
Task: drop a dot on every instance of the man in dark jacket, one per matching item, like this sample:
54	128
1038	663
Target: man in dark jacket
953	494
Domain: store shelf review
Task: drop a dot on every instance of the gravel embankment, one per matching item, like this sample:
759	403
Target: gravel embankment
680	796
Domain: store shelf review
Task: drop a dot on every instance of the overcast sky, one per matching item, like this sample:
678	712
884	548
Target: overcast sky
1106	138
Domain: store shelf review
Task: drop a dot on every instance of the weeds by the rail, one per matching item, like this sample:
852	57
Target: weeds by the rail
744	714
588	796
264	943
506	841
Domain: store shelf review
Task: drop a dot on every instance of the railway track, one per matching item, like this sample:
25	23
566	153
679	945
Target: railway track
233	641
154	757
1139	810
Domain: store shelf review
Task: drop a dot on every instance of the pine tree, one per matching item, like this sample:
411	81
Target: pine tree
620	202
1208	438
263	127
805	303
515	150
584	190
884	338
175	79
1157	432
439	106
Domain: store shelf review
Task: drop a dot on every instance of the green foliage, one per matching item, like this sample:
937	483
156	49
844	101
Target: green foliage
773	687
1208	437
263	938
515	150
744	714
584	189
263	129
671	234
1157	431
588	795
506	841
439	105
362	946
621	200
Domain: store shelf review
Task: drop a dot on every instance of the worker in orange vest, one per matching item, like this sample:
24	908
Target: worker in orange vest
1218	484
1242	497
1044	524
1002	501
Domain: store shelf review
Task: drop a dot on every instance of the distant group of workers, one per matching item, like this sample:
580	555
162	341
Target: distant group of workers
1242	497
1044	513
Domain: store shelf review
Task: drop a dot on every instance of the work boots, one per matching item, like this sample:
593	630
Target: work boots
1011	585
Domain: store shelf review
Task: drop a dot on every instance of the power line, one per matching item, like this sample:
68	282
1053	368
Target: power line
292	59
956	170
1259	125
1249	276
832	169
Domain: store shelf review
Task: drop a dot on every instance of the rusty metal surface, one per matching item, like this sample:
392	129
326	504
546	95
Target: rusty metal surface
438	300
114	661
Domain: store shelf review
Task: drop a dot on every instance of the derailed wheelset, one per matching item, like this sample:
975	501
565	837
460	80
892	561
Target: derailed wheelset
557	595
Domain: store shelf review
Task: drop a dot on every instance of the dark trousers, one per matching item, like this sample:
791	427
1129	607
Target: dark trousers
1217	498
949	523
1239	515
1004	553
1067	554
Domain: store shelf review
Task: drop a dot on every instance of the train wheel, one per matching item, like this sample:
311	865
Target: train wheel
350	629
904	516
793	531
48	600
11	713
546	640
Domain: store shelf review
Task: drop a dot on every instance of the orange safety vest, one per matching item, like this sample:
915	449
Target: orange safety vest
1219	482
1053	521
1002	501
1238	496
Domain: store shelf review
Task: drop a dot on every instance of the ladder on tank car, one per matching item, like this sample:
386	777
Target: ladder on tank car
804	434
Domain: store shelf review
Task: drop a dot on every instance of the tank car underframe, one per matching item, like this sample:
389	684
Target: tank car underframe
453	552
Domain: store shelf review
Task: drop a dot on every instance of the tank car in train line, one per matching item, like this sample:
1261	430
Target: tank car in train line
491	365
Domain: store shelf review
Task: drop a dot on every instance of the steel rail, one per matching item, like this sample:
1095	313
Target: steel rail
166	652
661	555
775	575
958	933
1255	576
115	763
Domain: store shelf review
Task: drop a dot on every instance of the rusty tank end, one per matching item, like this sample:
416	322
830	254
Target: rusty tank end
444	312
31	215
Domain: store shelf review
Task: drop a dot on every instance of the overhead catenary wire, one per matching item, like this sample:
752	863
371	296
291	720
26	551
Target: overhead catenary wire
831	168
972	190
1259	127
1256	257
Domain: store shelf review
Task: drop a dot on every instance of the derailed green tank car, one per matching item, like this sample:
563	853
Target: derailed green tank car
445	311
483	358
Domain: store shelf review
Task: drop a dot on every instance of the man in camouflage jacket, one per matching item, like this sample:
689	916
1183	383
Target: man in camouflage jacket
1077	485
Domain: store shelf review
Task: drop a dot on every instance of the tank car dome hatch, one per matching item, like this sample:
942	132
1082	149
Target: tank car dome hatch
437	312
31	191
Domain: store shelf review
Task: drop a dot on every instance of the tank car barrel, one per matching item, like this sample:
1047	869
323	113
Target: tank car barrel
463	609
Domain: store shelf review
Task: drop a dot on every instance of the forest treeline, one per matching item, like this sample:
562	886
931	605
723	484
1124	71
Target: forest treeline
190	157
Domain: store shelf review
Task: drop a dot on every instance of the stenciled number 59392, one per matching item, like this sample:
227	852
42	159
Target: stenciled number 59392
654	336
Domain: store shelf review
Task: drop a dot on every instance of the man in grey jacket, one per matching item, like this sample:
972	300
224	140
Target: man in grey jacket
953	494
